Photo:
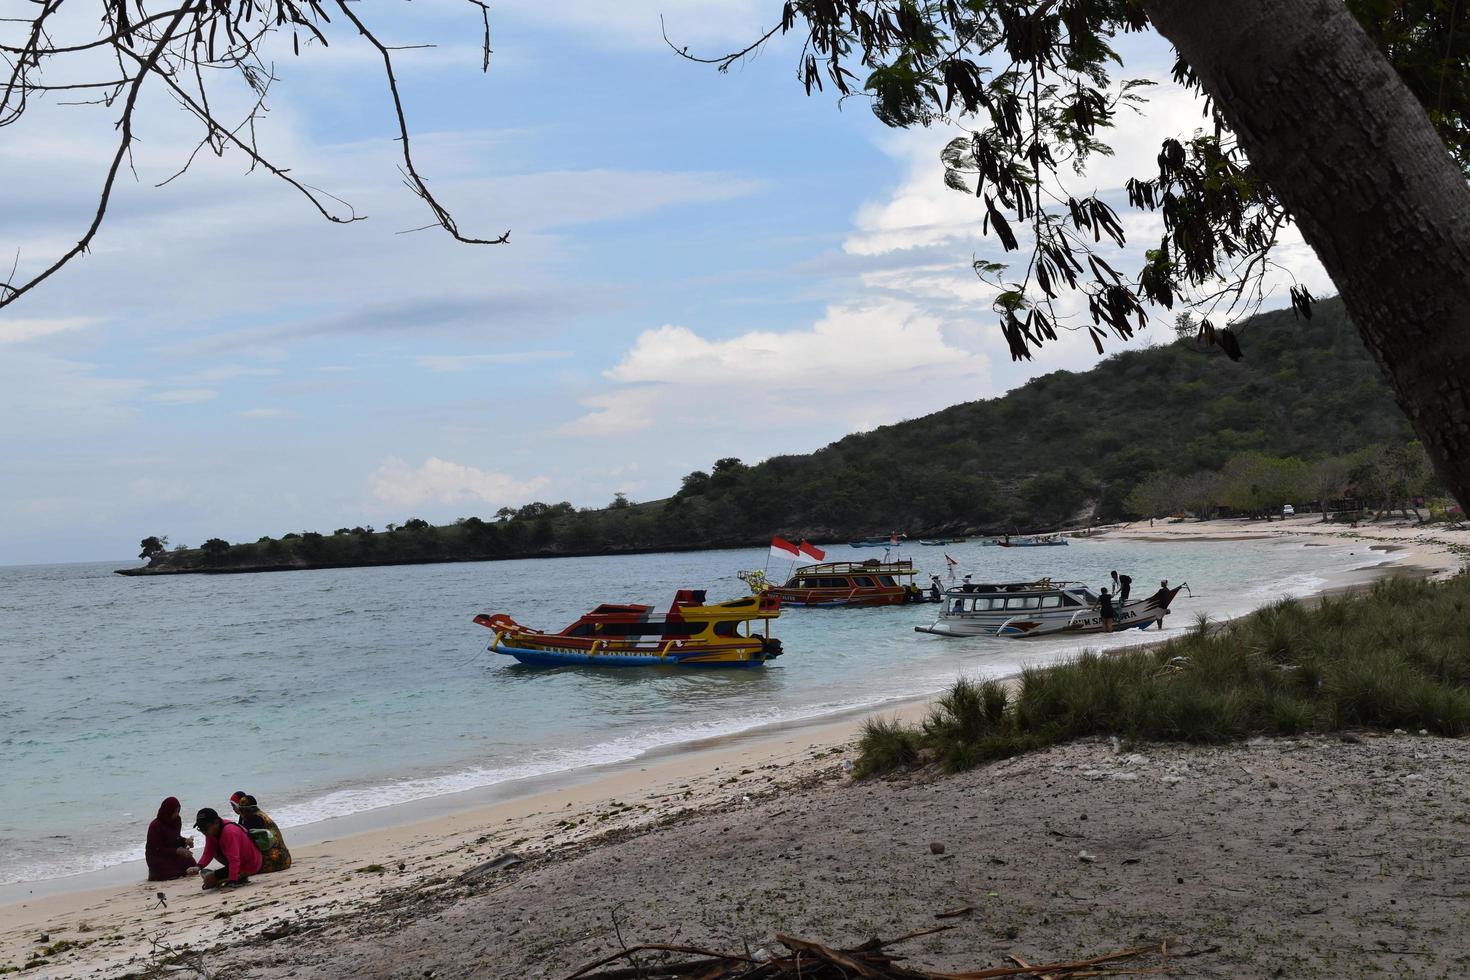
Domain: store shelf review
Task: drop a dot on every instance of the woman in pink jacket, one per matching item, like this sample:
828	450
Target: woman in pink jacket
231	844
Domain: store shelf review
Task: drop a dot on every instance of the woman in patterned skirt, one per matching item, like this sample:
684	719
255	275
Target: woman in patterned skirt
275	856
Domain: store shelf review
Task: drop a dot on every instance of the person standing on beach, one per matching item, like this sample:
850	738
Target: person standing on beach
1105	607
231	844
1158	597
167	852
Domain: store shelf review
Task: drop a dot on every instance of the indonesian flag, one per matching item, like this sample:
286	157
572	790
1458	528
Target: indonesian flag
781	548
952	562
811	550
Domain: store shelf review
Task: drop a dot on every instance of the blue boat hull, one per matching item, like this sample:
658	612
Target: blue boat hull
558	658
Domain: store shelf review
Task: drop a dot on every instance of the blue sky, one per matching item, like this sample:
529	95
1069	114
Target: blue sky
701	265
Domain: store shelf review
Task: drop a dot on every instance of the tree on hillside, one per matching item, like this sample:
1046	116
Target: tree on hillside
693	485
191	52
215	549
153	545
1347	116
1329	478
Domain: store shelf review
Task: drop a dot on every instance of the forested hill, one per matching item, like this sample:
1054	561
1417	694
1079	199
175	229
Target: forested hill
1066	446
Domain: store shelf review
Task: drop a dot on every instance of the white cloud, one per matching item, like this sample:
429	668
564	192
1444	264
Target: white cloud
395	483
616	413
184	396
16	331
850	344
466	362
887	352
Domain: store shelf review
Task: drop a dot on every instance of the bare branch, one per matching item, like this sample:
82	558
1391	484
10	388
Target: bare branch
9	292
724	61
184	50
416	183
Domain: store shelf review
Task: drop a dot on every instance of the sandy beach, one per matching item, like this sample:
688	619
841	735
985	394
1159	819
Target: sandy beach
1433	550
731	842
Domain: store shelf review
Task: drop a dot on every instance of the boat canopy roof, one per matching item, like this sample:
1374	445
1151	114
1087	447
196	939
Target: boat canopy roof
1043	586
872	566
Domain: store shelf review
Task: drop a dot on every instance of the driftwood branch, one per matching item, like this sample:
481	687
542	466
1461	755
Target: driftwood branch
808	960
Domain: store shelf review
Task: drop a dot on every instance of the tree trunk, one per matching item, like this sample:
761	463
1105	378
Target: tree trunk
1352	154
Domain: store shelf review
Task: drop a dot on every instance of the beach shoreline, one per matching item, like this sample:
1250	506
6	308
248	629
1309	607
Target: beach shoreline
117	923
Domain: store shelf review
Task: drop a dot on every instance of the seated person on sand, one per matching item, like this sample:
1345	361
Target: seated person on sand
167	851
231	844
273	853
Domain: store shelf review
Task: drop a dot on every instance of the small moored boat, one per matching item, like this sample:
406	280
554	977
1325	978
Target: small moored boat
850	583
941	541
690	634
1036	541
1040	609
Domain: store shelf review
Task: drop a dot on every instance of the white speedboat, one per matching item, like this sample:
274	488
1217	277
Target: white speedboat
1040	609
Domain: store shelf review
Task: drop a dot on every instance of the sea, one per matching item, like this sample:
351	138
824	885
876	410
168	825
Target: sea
334	692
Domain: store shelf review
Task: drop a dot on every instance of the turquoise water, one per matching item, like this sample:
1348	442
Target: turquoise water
331	692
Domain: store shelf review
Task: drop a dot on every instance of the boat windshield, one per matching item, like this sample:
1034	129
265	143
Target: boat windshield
1085	594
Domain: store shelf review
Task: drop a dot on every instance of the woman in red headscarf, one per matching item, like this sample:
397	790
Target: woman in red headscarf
167	853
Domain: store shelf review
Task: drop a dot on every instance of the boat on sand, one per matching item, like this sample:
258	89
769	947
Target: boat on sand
1043	608
691	634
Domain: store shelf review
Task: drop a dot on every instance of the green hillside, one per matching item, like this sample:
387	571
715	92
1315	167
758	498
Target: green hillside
1065	446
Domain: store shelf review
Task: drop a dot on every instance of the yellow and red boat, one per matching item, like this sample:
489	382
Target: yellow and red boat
690	634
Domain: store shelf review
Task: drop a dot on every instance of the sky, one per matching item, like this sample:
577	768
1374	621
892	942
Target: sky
700	265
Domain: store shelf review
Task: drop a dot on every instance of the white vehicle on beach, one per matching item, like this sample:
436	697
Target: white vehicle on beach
1040	609
1288	511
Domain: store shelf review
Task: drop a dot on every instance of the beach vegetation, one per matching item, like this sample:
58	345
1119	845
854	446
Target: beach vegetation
153	545
1396	657
884	745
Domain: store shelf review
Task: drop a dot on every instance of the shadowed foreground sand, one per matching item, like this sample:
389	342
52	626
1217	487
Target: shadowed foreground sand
1295	857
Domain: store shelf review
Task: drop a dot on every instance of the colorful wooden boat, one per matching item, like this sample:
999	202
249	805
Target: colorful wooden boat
1044	608
849	583
942	541
690	634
